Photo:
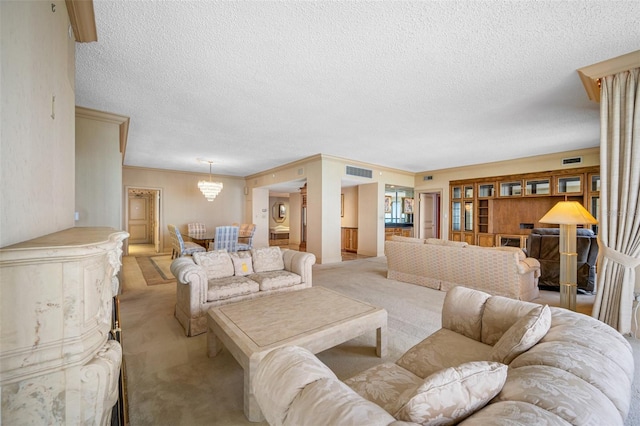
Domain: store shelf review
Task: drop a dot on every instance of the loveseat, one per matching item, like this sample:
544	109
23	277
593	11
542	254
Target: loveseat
215	278
543	244
442	264
495	361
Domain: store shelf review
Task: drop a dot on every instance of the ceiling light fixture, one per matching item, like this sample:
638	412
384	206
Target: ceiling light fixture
208	188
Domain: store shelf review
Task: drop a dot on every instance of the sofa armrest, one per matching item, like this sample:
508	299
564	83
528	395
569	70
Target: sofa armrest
187	272
529	264
293	387
300	263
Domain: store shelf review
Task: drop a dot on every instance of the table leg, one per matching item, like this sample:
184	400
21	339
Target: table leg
214	345
381	341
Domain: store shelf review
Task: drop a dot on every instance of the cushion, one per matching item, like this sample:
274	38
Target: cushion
522	335
387	385
452	394
267	259
216	263
242	263
276	279
228	287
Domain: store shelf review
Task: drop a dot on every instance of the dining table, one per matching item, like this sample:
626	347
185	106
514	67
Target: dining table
202	238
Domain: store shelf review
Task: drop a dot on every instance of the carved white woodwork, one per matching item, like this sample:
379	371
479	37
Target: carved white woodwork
57	365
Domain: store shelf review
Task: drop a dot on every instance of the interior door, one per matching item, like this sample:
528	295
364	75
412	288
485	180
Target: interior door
429	212
139	222
156	222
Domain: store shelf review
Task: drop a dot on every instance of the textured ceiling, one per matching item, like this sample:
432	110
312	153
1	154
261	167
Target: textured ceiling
413	85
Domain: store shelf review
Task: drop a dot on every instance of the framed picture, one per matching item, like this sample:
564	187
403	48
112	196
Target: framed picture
387	204
407	205
341	205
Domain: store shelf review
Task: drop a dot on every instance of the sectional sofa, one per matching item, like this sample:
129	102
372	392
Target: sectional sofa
442	265
495	361
215	278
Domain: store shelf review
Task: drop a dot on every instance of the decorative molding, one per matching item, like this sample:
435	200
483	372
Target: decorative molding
83	20
121	120
591	75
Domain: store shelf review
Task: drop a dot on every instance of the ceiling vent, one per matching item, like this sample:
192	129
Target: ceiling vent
357	171
425	178
571	161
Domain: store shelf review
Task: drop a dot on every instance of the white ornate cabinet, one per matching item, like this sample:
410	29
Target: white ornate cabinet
57	364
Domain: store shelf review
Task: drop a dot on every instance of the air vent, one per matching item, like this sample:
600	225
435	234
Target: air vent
356	171
300	171
571	161
430	177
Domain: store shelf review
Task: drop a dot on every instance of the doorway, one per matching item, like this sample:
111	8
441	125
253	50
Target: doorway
429	215
142	216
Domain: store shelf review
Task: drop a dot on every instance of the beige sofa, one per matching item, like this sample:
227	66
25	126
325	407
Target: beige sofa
442	265
215	278
495	361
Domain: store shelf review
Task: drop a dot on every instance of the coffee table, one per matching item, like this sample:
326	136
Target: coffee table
315	318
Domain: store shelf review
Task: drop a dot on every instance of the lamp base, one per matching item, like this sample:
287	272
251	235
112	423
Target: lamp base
568	292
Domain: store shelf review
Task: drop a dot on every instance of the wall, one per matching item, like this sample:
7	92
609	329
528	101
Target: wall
350	207
182	202
441	178
325	176
37	159
98	195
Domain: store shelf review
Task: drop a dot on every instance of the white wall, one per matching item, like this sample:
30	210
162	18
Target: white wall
98	174
37	152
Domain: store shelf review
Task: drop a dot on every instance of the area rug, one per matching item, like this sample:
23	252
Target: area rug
156	269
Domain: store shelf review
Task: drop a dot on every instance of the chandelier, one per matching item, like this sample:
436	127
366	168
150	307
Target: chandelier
208	188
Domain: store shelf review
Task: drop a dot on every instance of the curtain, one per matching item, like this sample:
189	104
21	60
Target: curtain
619	235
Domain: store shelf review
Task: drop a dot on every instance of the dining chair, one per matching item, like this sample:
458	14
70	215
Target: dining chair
245	236
196	227
226	238
181	247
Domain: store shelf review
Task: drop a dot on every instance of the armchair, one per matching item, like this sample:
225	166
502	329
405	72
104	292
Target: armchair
245	236
543	243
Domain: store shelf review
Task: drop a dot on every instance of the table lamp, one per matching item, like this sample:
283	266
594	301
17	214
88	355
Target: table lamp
568	214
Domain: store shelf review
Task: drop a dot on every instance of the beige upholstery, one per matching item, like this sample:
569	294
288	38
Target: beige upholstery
442	265
216	278
577	373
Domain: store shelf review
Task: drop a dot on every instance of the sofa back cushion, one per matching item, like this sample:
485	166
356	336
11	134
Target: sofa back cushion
439	242
522	335
500	313
217	263
267	259
242	263
462	311
450	395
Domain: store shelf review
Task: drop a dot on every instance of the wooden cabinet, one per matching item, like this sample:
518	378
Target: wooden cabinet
502	210
402	231
350	239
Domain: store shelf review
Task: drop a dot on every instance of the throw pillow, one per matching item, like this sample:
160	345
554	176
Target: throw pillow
267	259
452	394
242	263
216	263
522	335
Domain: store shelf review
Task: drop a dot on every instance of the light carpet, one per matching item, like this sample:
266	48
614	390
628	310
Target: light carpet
171	381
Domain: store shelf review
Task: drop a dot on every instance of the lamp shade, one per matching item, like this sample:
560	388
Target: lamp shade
568	213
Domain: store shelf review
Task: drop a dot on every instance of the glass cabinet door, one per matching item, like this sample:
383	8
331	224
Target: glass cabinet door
569	185
456	216
537	187
468	216
485	190
511	189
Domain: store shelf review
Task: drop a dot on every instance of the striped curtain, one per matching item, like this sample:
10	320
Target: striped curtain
619	235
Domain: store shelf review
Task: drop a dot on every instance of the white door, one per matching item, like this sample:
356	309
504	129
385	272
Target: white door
156	222
139	223
430	214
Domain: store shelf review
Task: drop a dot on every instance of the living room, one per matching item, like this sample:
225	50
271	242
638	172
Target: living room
61	169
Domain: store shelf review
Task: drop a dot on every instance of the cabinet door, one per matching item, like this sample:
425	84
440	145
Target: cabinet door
568	185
